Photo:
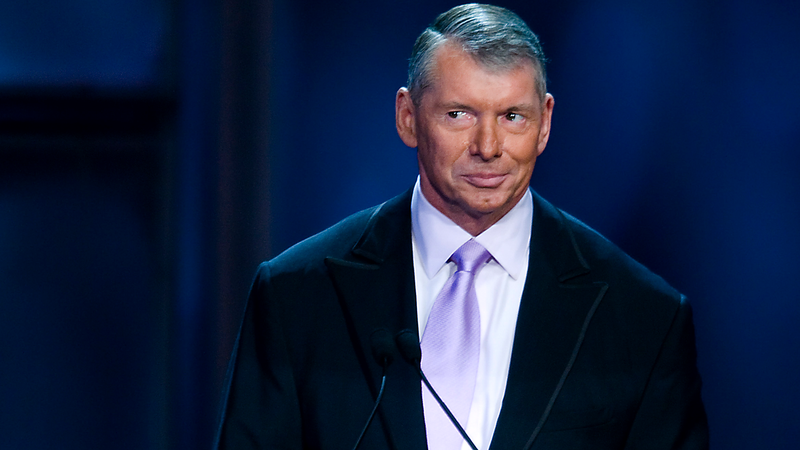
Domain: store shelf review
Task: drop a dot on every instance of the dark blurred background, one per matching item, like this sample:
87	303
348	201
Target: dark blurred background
152	152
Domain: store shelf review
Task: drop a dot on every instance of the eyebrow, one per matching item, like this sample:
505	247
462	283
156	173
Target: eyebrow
527	107
456	106
522	107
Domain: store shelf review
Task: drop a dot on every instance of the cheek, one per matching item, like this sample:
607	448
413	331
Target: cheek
445	154
432	163
523	149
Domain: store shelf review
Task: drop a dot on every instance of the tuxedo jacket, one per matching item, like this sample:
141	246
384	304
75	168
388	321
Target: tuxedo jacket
603	354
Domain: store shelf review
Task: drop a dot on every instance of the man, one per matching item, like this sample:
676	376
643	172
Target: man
560	340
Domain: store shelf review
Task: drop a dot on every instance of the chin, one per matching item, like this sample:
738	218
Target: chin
496	203
486	208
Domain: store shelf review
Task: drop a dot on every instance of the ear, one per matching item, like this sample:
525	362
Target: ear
404	117
546	120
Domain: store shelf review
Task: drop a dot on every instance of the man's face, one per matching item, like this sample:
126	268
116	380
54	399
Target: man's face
478	133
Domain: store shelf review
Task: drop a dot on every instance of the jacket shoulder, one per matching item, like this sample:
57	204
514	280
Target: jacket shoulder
336	241
609	262
352	238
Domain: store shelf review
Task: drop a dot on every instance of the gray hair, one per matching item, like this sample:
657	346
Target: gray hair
497	38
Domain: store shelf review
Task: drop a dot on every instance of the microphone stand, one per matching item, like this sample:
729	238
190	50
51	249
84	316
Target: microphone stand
408	344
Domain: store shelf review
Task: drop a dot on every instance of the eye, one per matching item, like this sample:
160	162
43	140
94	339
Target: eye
456	114
514	117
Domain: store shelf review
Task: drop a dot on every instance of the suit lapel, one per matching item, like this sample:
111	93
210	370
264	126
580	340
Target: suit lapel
554	312
375	286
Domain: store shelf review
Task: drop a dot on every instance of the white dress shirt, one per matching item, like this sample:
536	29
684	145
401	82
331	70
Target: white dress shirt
498	286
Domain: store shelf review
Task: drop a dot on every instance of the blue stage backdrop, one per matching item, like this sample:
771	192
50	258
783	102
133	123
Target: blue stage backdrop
676	133
153	152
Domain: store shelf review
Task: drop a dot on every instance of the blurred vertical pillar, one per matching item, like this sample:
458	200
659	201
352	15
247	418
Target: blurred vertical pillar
222	229
196	283
244	179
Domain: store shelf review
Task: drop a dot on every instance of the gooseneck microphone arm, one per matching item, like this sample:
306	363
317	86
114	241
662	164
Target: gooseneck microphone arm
408	344
383	352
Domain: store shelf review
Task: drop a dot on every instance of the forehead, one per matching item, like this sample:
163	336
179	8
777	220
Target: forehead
458	76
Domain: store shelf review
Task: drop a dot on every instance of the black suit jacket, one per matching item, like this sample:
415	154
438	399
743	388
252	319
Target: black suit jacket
603	356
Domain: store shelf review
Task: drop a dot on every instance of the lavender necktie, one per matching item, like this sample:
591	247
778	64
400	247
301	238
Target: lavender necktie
451	347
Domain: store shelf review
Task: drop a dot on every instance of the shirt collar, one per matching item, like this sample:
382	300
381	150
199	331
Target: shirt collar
437	237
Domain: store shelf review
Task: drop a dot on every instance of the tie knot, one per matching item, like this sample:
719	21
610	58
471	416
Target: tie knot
470	255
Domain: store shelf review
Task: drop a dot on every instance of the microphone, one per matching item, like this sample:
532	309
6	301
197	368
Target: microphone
383	352
382	347
408	344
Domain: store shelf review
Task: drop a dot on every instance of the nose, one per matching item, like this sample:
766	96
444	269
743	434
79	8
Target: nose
486	142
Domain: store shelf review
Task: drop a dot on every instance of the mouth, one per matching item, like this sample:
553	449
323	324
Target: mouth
485	180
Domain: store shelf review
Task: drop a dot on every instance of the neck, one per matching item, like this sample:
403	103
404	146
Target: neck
473	225
473	222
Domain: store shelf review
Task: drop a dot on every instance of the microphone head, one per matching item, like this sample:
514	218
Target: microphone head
382	347
408	344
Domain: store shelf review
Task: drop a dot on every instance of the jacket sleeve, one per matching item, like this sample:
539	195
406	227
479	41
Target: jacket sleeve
260	409
671	415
